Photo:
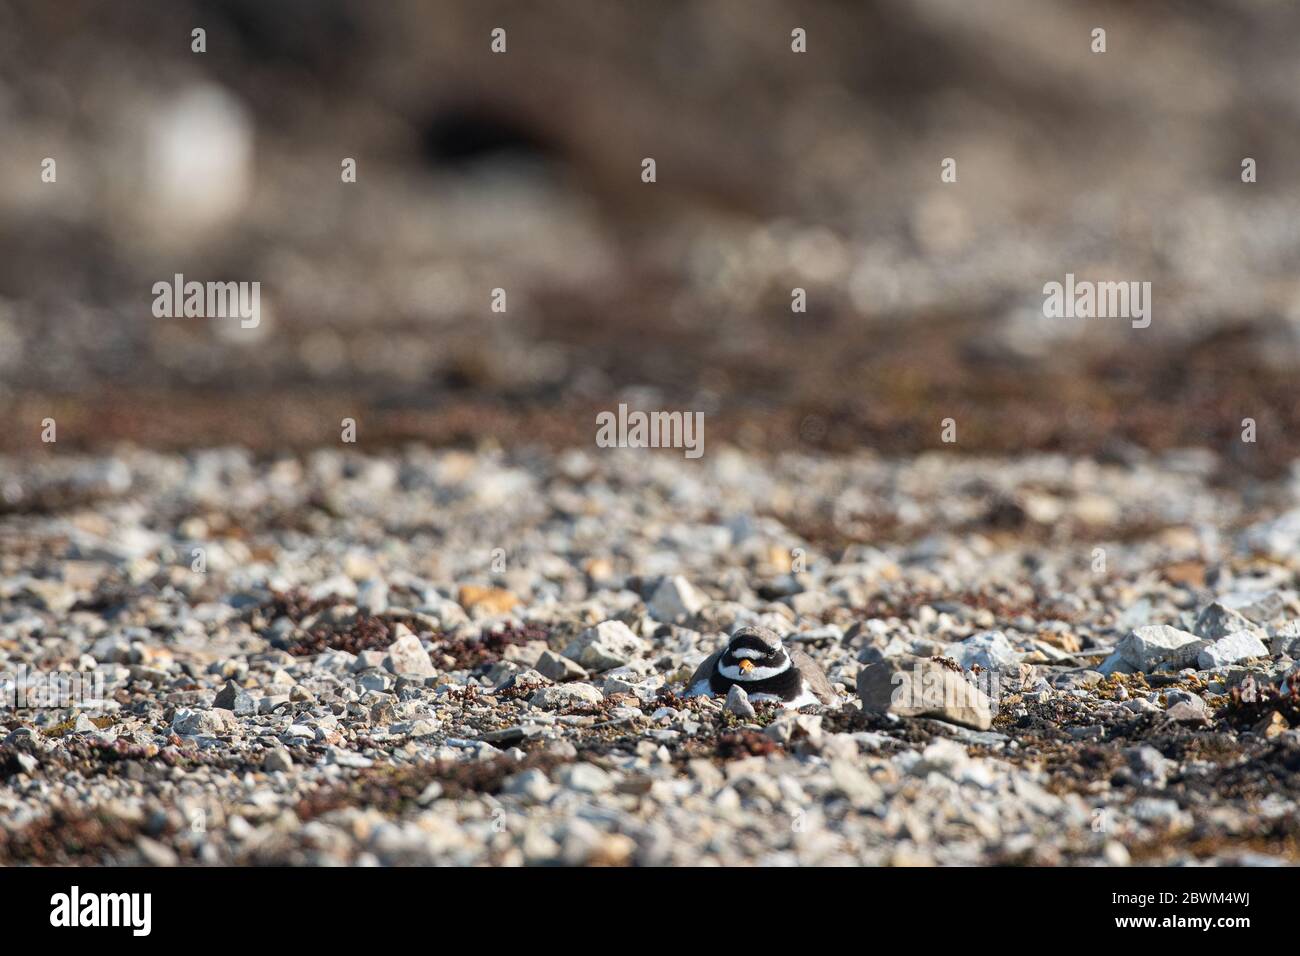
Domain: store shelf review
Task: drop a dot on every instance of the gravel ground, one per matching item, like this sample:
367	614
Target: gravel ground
475	657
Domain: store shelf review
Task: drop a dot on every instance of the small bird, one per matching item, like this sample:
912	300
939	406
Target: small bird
756	659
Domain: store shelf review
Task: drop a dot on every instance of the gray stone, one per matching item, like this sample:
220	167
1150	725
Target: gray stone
150	675
608	645
790	727
512	735
874	654
738	702
1258	607
346	758
1217	621
368	659
374	680
526	679
406	656
372	597
1146	647
919	687
988	649
574	694
558	668
1148	765
674	600
26	763
1285	639
530	784
942	756
235	699
278	760
1184	706
862	792
1115	664
585	778
203	723
1237	646
83	725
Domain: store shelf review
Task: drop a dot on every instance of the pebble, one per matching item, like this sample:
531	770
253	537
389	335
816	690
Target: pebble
235	699
559	668
209	723
574	694
988	649
608	645
406	656
674	600
549	734
278	760
1185	706
738	702
585	778
490	601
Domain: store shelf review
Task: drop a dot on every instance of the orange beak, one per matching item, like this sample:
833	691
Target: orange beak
746	665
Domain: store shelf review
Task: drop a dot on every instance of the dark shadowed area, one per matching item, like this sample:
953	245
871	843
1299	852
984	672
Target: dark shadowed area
775	170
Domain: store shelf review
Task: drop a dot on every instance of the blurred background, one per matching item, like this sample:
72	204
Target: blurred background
775	170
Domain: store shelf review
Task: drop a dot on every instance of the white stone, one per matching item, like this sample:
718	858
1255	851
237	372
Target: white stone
989	649
674	600
572	694
608	645
1145	647
407	656
1237	646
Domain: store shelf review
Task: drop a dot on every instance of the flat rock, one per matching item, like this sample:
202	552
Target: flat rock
1237	646
1184	706
559	668
918	687
584	778
988	649
608	645
1143	648
486	601
574	694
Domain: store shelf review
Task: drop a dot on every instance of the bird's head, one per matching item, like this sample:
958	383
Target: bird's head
753	654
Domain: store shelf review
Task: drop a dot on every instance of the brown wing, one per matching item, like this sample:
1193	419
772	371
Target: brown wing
705	669
815	676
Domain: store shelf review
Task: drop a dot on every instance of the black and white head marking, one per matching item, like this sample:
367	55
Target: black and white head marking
756	659
752	656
